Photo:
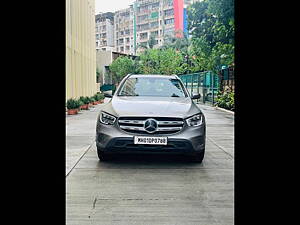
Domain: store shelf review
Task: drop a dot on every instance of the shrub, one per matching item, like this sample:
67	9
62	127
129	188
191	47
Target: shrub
92	99
98	97
101	96
85	100
72	104
80	102
81	98
225	100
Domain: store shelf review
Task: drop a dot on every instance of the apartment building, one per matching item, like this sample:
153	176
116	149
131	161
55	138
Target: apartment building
80	48
124	31
135	25
104	31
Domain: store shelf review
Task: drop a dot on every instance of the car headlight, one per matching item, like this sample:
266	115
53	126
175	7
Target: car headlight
107	119
195	120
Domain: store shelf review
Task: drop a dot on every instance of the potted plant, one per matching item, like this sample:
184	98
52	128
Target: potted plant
80	103
72	106
93	101
96	97
101	98
85	101
90	101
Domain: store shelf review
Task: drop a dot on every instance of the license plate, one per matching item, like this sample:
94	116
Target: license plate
151	140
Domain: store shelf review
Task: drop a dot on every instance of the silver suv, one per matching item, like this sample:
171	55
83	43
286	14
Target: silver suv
152	114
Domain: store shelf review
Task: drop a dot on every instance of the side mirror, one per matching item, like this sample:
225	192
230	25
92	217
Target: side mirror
107	95
196	96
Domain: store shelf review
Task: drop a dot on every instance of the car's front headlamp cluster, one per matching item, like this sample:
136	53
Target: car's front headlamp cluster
107	119
195	120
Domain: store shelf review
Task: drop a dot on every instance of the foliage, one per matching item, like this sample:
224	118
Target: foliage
159	61
72	104
85	100
209	46
212	28
80	102
225	100
121	67
98	96
92	99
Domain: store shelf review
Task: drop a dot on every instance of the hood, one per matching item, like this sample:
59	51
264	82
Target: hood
151	106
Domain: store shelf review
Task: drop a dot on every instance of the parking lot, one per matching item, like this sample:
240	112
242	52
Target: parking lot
150	189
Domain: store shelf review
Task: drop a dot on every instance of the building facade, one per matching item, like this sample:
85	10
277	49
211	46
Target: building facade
124	30
105	31
80	48
143	20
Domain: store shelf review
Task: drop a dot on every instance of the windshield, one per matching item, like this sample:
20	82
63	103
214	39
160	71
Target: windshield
152	86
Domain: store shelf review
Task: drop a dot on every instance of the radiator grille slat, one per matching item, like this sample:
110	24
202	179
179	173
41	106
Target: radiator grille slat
135	125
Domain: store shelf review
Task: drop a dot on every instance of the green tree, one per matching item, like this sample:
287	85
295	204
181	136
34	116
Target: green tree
212	28
121	67
161	61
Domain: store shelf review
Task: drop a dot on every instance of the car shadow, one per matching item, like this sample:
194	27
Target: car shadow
156	160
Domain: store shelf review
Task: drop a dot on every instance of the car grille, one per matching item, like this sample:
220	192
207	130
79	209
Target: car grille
165	125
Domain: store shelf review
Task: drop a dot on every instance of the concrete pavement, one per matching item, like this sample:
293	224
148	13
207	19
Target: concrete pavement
153	189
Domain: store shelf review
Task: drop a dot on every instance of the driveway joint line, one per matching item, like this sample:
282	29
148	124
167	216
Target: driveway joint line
220	147
88	148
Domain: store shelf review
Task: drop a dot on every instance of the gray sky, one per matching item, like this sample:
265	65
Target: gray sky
111	5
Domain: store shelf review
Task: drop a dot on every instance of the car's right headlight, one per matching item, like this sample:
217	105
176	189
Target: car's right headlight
195	120
107	119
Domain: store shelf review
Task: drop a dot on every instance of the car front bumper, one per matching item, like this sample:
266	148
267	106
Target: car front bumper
111	139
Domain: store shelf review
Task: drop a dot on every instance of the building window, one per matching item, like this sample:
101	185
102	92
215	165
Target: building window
169	12
122	49
169	21
154	33
144	35
154	24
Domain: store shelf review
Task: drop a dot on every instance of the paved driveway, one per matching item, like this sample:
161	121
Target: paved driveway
154	189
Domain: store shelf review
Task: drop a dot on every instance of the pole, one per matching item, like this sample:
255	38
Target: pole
213	91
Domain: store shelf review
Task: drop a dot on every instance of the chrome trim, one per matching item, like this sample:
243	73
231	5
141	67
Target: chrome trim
138	125
132	121
158	129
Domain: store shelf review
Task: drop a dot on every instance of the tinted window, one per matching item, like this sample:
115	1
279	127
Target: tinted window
152	86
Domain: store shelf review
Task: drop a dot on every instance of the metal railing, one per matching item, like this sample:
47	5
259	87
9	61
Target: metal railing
204	83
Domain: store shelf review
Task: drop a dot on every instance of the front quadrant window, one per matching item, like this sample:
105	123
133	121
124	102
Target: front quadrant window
149	86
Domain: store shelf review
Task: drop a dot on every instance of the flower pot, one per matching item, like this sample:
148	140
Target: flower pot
85	107
102	101
72	111
95	103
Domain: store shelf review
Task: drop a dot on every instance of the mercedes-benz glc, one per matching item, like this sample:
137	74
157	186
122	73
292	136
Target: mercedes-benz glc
153	114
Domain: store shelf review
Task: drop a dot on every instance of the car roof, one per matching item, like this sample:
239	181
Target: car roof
153	75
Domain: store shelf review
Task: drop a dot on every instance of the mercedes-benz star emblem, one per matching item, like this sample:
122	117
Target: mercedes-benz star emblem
150	125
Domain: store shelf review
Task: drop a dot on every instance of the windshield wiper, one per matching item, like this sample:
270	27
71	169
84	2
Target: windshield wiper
174	95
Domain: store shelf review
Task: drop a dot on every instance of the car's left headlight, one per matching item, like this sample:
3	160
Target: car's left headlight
195	120
107	118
